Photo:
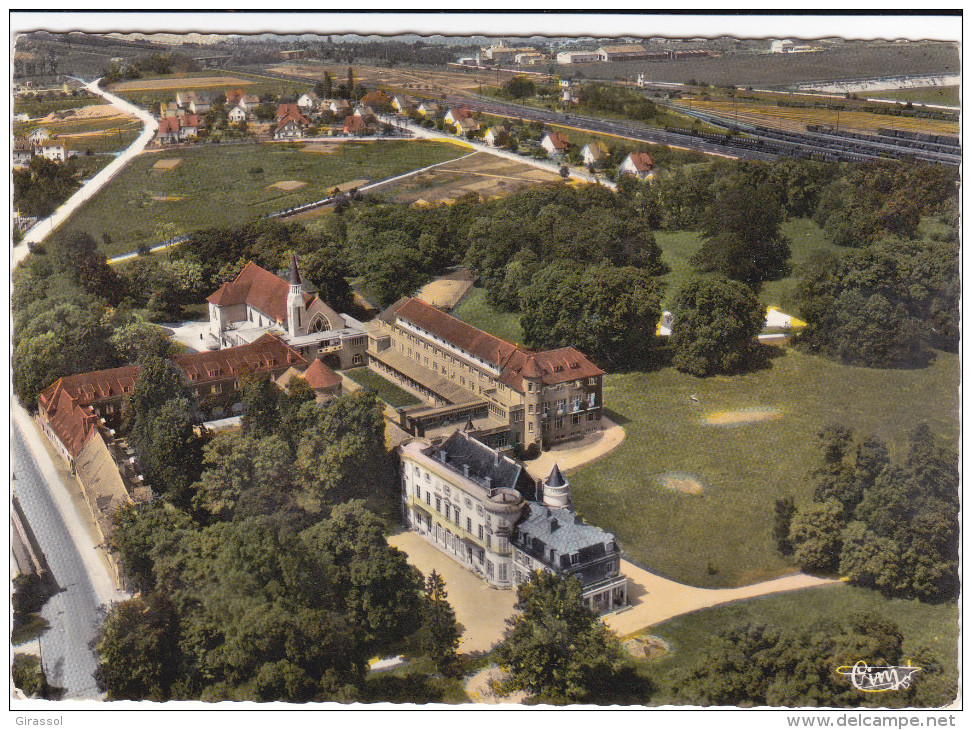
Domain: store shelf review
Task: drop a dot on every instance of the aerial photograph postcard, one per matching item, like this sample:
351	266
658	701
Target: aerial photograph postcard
485	361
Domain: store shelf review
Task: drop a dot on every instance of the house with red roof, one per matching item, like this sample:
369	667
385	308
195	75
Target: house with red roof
168	132
325	383
638	164
508	394
555	144
258	301
360	126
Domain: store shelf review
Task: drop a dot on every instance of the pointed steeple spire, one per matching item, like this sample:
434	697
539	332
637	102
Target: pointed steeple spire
294	272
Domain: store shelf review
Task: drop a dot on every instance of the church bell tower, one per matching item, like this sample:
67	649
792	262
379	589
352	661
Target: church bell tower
295	300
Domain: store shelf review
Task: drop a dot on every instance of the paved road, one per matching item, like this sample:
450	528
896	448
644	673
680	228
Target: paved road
40	230
74	613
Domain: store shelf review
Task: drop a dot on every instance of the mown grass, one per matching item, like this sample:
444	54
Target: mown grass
921	624
475	311
723	536
807	241
221	185
381	387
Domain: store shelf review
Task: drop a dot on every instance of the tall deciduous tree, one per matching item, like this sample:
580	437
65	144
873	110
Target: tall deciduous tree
555	647
715	328
440	633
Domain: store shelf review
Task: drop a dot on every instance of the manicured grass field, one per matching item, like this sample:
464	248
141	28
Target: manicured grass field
475	311
382	387
807	240
226	184
723	536
921	624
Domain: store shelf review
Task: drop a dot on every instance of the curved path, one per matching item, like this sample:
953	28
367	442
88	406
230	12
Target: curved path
654	599
40	230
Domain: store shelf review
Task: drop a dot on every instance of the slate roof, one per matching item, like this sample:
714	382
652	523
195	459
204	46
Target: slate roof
562	530
460	449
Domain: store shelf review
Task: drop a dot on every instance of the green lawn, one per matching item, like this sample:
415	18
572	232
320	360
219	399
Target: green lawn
807	240
723	536
216	187
475	311
921	624
42	107
943	95
383	388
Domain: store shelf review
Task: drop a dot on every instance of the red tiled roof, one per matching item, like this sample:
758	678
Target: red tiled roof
320	376
461	113
268	352
552	366
258	288
356	124
168	124
67	402
559	141
285	111
641	161
190	120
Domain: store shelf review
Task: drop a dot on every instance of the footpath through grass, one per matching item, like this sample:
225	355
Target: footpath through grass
723	536
215	185
922	625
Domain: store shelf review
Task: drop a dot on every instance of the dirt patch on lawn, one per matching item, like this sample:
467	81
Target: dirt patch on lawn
447	291
482	688
94	111
287	185
647	647
180	83
350	185
743	416
684	483
321	149
167	198
168	164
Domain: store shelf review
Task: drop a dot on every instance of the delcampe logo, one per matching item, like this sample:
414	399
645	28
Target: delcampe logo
866	678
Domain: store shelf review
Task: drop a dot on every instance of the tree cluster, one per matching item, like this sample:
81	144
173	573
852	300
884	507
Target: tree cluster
608	97
161	64
43	185
887	526
757	665
884	305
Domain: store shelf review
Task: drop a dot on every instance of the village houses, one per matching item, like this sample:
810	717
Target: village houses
638	164
555	144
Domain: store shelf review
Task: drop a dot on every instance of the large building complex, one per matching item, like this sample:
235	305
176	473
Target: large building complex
482	510
258	302
509	395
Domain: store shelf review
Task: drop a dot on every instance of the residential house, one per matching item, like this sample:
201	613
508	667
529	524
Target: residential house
360	126
594	153
249	102
39	135
362	110
529	58
200	108
168	132
455	114
638	164
378	100
511	395
288	128
496	136
466	126
400	104
234	98
309	102
237	115
340	107
52	152
556	144
189	127
293	111
482	510
428	109
21	153
257	302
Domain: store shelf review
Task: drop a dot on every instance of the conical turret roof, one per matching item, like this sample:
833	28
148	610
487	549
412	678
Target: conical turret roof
556	478
531	369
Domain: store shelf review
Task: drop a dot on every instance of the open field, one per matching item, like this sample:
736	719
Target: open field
164	88
217	187
796	119
942	95
807	241
41	107
839	61
480	172
475	311
178	82
722	537
921	624
383	388
431	81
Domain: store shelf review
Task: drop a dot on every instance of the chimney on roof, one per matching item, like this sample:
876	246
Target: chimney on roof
465	470
489	482
442	456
